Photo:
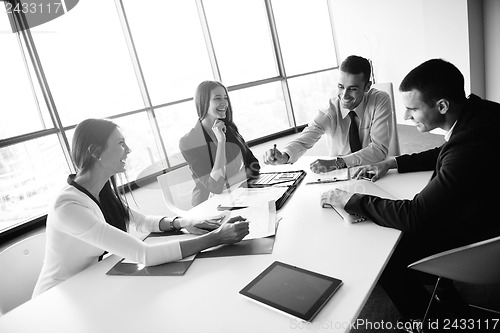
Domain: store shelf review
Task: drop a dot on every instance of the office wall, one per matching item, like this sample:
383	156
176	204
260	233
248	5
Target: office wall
492	48
476	47
400	34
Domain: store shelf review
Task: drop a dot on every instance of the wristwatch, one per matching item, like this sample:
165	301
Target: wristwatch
340	163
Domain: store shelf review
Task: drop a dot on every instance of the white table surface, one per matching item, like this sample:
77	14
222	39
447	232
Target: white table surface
206	298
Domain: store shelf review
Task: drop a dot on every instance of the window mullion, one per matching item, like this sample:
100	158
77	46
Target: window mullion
335	45
208	40
141	81
281	65
22	25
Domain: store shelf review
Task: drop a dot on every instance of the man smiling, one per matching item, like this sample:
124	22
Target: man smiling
457	207
357	123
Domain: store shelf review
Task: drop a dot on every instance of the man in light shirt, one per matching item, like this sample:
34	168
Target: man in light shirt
371	115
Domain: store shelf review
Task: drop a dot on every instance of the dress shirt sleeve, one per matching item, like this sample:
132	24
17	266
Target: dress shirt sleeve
380	133
309	136
80	221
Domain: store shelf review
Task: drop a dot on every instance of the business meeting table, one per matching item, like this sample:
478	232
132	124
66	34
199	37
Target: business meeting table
207	299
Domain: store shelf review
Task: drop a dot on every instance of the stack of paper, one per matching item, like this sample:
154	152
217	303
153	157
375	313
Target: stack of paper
353	186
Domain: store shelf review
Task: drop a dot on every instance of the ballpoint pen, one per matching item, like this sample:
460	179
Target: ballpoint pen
219	207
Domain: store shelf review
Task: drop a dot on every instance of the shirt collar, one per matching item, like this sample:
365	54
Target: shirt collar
359	110
450	132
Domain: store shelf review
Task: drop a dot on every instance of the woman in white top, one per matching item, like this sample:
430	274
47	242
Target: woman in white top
89	217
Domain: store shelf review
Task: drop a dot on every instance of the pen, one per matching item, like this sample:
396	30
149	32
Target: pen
219	207
274	152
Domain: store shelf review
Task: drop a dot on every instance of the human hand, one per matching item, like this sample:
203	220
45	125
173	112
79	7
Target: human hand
274	157
322	166
374	171
219	129
336	197
233	230
200	227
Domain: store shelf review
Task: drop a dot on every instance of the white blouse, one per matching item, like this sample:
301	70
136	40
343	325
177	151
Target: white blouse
77	234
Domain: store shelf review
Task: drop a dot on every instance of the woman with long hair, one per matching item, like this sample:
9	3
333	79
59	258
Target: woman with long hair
89	217
217	154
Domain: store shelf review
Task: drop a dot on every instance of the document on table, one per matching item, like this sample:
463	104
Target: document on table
262	226
249	197
353	186
340	174
261	217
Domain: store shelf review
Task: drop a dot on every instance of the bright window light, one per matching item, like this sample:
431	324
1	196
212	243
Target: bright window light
87	64
305	35
242	40
170	46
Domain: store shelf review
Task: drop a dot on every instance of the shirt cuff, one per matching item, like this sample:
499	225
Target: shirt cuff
291	158
349	160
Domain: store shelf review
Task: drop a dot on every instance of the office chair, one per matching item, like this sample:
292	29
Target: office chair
477	263
394	141
20	264
177	188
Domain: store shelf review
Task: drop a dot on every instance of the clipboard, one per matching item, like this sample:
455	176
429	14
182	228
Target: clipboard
289	179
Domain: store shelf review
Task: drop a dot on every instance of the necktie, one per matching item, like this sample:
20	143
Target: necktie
353	133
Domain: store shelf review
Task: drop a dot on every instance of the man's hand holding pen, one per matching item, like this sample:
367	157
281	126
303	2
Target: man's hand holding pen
274	156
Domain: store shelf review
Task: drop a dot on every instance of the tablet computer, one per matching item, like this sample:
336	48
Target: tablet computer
292	290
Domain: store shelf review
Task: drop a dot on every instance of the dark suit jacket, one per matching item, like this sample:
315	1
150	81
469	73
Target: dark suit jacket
199	152
459	204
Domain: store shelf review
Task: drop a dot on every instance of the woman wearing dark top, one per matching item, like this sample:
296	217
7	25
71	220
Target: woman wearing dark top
214	149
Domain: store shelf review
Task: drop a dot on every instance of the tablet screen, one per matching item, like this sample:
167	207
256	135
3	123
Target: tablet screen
295	291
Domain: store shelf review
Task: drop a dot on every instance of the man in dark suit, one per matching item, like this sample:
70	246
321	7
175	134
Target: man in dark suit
458	205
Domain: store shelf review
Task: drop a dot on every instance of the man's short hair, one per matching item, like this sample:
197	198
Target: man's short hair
355	65
435	79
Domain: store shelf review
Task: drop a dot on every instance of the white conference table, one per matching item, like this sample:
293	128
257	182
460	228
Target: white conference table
206	298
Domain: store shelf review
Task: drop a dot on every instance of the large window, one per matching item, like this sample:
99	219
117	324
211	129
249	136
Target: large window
19	104
138	63
170	47
31	173
305	35
242	40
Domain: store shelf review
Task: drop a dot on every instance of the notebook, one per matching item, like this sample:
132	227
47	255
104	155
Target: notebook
354	186
291	290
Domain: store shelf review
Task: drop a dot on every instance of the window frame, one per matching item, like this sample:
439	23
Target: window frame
28	46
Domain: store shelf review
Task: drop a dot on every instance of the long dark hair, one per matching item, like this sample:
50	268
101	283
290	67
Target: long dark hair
202	102
89	141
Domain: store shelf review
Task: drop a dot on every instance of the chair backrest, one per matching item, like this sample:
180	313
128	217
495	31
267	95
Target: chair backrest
177	188
20	265
477	263
394	142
